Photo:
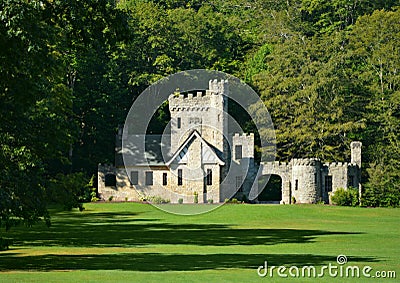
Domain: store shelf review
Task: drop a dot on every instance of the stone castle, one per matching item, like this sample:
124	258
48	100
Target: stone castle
199	160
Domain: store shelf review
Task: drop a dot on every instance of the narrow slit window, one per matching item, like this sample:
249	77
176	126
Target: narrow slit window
164	179
180	177
209	177
179	123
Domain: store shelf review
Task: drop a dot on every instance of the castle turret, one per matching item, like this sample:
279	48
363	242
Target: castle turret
356	152
306	180
200	110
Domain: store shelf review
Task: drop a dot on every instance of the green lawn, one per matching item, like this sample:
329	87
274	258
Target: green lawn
111	242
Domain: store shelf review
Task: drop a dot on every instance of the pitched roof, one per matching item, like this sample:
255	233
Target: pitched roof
156	150
208	153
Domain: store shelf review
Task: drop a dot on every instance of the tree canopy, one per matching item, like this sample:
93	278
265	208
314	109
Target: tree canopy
328	71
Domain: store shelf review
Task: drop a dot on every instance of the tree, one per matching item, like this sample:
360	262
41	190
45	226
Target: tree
310	98
90	35
34	104
374	44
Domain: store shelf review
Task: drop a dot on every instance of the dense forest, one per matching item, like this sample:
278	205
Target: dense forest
328	71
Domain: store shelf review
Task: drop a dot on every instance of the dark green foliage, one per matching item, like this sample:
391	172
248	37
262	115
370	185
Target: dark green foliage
326	70
5	244
34	105
70	190
346	197
272	190
382	188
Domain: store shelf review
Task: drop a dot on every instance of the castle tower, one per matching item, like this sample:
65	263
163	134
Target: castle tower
306	180
356	153
200	110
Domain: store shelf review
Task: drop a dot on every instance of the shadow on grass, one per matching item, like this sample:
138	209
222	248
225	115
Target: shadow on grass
162	262
127	230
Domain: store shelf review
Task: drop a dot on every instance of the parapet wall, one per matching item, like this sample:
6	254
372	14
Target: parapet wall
247	143
221	87
305	162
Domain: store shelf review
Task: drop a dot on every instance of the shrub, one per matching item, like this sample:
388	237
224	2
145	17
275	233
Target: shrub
383	186
233	200
345	197
158	200
196	197
93	195
210	201
180	201
293	200
110	198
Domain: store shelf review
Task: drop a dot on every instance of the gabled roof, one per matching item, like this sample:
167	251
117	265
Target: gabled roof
208	153
143	150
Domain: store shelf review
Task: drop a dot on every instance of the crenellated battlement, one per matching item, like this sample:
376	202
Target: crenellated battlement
336	164
194	96
237	135
305	161
340	165
276	164
218	87
190	94
190	108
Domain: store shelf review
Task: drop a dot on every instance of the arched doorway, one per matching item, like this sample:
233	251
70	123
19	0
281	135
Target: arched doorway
272	191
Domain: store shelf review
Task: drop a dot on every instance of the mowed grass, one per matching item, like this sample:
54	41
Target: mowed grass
130	242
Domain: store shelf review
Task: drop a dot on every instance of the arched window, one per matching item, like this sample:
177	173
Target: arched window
110	180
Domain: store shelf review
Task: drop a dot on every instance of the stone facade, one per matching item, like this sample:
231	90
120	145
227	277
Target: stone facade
202	159
308	180
196	158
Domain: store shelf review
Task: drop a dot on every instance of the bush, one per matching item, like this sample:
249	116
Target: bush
210	201
345	197
233	200
196	197
293	200
180	201
110	198
158	200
